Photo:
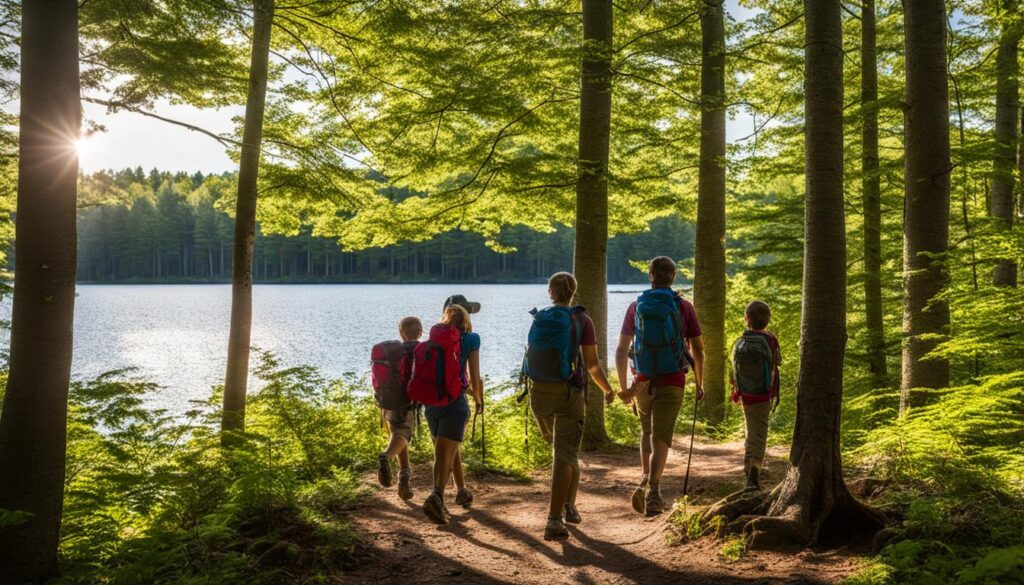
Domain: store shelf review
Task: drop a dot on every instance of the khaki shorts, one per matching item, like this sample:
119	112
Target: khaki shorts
658	411
559	413
756	418
400	422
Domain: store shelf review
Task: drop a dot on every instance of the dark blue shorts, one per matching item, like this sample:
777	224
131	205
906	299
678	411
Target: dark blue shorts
448	421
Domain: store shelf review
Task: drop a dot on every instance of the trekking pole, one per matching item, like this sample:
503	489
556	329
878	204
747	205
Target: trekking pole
693	430
483	437
473	436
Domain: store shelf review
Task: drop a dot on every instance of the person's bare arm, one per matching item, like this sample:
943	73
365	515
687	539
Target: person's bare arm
697	349
622	361
597	372
475	383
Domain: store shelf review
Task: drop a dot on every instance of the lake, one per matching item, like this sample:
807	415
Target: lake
176	335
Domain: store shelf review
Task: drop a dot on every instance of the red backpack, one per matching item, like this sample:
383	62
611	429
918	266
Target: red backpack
390	371
435	370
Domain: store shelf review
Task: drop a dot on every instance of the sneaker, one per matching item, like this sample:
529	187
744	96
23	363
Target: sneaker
404	489
654	505
752	480
572	515
555	529
383	470
464	497
433	507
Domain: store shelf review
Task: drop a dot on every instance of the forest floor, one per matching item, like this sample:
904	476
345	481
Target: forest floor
500	540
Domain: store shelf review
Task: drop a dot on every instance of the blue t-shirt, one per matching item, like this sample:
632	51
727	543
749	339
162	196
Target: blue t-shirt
469	342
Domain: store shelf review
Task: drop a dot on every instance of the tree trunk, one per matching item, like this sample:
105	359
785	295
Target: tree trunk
871	187
926	205
590	257
33	422
813	498
1007	106
236	378
709	278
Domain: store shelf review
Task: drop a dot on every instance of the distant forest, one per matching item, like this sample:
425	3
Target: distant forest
135	226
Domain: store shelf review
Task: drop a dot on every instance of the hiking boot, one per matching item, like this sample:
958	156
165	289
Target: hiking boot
638	499
383	470
654	504
752	480
572	515
404	489
555	529
464	497
433	507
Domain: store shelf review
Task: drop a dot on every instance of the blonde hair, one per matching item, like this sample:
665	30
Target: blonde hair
411	328
457	316
562	287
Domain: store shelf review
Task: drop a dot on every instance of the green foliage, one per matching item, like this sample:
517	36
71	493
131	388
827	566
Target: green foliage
733	548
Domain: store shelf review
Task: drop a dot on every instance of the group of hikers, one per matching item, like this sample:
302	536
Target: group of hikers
659	344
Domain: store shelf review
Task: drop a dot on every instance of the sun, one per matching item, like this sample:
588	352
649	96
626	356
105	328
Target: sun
81	145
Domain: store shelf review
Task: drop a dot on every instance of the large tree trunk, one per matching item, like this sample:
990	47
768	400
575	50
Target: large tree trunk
813	497
590	261
926	205
239	339
872	198
34	419
709	281
1007	106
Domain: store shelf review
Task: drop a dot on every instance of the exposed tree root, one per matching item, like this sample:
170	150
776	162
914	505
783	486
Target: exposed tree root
796	513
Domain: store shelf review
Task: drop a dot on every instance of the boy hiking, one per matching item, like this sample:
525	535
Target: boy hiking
755	381
663	330
562	348
391	370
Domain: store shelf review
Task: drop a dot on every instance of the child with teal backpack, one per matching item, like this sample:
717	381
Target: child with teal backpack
755	382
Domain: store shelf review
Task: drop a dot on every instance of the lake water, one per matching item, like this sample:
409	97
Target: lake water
176	335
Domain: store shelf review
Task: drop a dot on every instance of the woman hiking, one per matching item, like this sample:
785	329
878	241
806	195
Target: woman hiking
562	349
447	421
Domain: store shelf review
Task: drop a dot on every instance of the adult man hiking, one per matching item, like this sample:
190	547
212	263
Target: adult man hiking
663	330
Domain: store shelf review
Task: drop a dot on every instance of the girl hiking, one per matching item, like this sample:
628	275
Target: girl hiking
447	416
562	349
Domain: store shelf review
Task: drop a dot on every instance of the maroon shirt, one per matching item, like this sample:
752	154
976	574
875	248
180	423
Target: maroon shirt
589	336
691	327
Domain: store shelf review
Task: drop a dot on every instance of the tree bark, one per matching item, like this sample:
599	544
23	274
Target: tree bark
1007	107
33	422
871	188
926	205
590	261
240	336
709	278
813	496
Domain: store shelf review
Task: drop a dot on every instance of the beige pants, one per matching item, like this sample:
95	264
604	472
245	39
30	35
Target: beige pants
756	418
658	411
559	413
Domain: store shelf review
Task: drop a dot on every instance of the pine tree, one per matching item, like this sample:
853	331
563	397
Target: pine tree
926	205
33	422
590	260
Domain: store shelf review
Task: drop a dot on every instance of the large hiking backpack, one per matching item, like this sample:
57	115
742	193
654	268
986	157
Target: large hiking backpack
753	364
390	371
553	344
435	371
659	336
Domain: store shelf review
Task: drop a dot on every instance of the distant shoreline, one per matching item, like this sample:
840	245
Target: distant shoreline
681	285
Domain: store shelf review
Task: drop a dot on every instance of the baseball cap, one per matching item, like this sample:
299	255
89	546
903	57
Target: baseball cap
462	302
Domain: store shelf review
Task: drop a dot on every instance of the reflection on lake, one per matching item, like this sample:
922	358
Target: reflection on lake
176	335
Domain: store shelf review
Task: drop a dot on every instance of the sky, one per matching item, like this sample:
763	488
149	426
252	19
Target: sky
131	140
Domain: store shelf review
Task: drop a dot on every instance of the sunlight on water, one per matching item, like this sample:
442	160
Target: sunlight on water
176	335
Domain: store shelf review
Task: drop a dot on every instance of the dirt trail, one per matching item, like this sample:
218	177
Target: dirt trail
500	540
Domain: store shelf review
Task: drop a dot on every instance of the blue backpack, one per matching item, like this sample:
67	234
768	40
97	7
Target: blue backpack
659	338
553	350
